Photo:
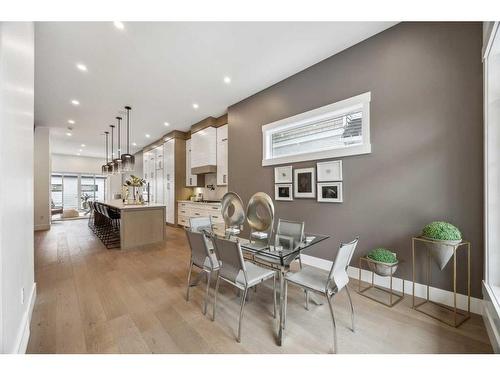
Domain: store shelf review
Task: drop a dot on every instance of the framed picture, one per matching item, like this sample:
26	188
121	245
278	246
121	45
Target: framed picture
283	175
330	171
304	183
283	192
330	192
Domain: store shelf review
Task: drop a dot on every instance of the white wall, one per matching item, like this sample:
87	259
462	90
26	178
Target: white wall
16	189
42	164
76	164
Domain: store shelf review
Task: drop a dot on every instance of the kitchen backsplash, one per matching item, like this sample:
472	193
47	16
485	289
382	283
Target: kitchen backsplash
208	194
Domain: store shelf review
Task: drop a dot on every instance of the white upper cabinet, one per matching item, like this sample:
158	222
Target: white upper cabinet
222	167
191	179
169	178
204	150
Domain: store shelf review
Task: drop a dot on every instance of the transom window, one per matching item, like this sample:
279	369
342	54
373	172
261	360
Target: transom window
336	130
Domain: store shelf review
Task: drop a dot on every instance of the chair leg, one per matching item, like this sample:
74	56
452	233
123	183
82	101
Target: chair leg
215	296
274	296
241	314
285	302
306	293
352	308
205	303
329	299
189	280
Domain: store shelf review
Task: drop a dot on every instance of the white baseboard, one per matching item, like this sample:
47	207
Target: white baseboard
438	295
24	331
42	227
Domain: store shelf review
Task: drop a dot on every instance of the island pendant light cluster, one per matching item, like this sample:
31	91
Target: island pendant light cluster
105	167
122	163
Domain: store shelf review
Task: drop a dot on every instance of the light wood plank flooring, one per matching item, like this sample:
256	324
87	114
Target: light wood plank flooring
94	300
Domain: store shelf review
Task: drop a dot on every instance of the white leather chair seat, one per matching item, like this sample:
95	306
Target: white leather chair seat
310	277
254	275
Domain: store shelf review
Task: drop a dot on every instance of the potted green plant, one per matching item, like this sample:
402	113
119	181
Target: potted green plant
382	261
445	237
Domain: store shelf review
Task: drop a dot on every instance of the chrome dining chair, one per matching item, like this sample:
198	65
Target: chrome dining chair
239	273
202	224
203	258
289	234
326	283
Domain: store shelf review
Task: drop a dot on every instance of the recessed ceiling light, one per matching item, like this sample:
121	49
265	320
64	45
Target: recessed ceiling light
119	25
134	144
71	121
80	150
83	145
78	154
166	124
68	134
196	106
147	136
227	79
75	102
81	67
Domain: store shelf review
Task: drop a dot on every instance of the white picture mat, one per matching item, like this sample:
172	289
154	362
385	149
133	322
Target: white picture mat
312	193
329	171
283	175
276	192
339	198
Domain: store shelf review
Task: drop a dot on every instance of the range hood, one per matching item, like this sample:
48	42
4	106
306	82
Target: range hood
204	169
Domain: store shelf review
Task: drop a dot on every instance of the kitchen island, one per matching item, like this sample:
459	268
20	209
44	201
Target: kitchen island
139	224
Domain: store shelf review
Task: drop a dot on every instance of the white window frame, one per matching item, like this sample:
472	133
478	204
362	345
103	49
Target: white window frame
361	102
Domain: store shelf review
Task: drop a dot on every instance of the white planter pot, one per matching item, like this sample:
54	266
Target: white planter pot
441	251
381	268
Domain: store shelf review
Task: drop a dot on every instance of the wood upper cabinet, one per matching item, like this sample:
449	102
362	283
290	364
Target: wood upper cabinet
222	160
204	148
191	179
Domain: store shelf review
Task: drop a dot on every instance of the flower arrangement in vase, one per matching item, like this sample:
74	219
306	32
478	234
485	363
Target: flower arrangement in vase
135	183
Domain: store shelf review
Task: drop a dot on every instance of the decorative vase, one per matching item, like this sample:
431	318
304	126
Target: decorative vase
441	250
381	268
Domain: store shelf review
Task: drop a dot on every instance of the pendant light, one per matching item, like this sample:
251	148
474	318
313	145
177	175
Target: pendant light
110	164
117	162
128	160
105	167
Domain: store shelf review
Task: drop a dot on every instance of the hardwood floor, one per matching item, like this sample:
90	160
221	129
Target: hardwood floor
94	300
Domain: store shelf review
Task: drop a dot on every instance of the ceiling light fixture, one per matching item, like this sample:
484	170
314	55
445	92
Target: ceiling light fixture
119	25
78	154
69	134
117	162
196	106
83	145
105	167
75	102
147	136
128	160
80	150
227	79
71	121
134	144
166	124
81	67
110	163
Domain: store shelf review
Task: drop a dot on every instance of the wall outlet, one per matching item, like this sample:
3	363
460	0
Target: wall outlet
22	296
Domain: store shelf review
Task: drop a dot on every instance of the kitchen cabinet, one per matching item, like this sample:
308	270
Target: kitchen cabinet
159	187
222	167
188	209
191	179
169	179
204	151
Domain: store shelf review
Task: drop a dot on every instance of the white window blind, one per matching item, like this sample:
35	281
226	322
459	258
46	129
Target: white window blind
338	129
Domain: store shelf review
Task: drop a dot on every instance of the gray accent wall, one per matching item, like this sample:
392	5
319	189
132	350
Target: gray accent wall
426	134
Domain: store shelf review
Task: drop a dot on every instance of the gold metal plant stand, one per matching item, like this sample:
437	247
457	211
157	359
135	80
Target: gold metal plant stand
391	292
456	312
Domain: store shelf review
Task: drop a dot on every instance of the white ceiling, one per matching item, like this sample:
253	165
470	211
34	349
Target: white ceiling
162	68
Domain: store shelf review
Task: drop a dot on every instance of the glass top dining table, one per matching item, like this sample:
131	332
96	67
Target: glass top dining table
284	249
